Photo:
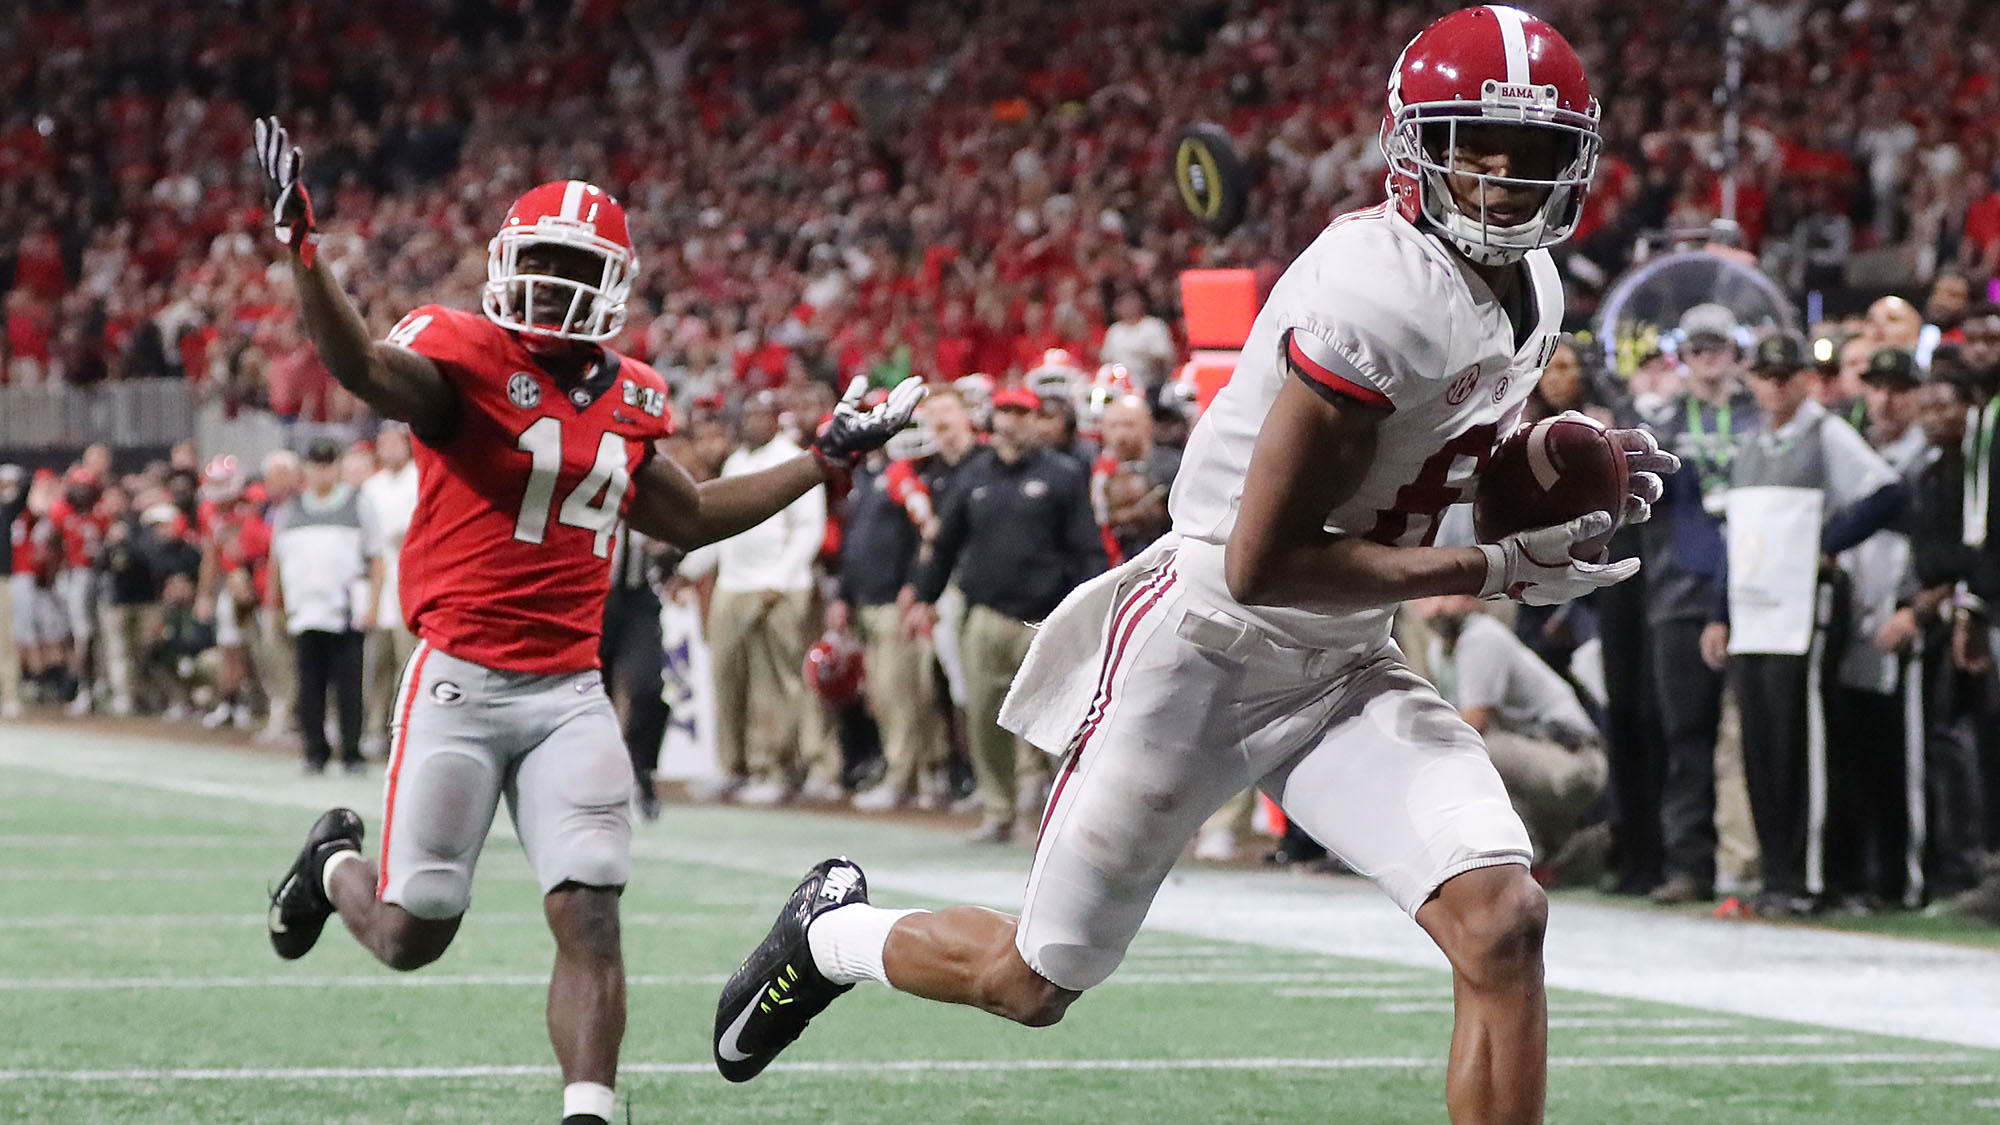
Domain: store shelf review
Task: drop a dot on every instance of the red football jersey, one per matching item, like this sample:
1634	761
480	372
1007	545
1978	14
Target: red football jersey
82	534
241	540
506	562
23	542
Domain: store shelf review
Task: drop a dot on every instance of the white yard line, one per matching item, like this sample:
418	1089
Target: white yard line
119	923
1556	1007
1356	993
969	1066
67	840
1853	982
1662	1022
1920	1080
137	873
1805	1039
385	979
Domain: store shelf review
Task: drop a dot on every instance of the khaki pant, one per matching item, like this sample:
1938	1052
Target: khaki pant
1736	852
819	735
901	696
1551	787
124	630
10	655
758	648
994	645
386	651
271	654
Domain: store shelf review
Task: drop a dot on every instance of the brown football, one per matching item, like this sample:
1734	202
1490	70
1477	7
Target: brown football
1549	473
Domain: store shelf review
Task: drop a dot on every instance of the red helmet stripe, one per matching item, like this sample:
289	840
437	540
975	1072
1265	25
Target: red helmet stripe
1514	40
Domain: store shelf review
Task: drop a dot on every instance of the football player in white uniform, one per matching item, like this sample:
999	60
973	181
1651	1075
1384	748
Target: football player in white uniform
1251	646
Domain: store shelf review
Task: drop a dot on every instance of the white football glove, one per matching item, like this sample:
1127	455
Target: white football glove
850	432
291	207
1535	567
1645	462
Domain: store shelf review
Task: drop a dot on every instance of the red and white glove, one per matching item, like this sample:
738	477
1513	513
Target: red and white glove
292	213
1645	463
1535	567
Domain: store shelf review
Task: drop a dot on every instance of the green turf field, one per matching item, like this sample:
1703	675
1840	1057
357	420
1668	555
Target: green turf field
138	986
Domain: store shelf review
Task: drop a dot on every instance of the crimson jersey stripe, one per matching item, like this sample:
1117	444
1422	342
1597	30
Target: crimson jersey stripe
412	681
1328	380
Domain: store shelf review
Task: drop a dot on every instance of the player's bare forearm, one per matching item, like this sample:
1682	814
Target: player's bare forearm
395	381
668	505
1349	573
1310	457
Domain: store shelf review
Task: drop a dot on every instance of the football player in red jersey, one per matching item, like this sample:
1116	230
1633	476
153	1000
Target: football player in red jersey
533	440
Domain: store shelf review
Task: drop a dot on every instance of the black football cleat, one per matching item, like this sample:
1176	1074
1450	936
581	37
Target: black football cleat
299	907
771	998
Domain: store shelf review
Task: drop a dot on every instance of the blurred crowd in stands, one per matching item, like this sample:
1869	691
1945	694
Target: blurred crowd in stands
834	188
976	194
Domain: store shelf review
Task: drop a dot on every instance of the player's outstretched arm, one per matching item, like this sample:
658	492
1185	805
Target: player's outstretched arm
667	504
397	382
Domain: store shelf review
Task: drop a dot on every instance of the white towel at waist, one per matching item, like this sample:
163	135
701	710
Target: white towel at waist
1052	692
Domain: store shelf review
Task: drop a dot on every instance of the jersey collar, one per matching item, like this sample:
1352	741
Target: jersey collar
599	377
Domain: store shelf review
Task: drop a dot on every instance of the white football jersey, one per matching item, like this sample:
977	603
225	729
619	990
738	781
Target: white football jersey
1376	310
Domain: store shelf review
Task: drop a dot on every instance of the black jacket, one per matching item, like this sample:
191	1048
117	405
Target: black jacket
1019	536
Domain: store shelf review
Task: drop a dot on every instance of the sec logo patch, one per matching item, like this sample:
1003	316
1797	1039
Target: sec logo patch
523	391
1461	387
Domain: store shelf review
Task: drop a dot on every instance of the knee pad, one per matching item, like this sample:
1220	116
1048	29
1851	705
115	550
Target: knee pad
436	895
600	858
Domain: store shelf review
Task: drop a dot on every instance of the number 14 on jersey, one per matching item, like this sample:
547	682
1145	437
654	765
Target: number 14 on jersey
592	505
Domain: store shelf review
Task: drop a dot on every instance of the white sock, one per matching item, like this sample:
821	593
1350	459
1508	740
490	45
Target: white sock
847	942
332	865
592	1098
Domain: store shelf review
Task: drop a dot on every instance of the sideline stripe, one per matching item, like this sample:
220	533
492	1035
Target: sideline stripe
969	1066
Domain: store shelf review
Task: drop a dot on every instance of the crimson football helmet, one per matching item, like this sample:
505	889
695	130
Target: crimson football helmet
567	213
833	669
1488	66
